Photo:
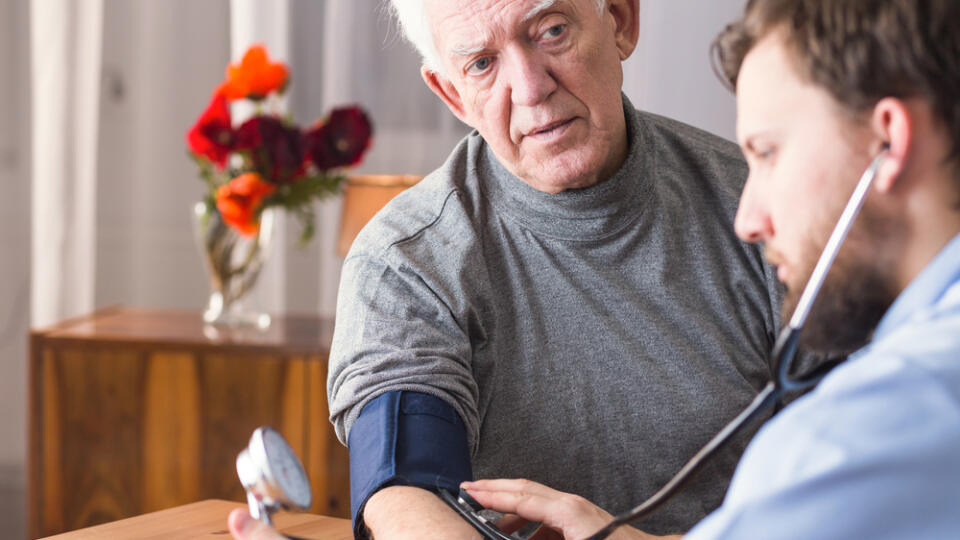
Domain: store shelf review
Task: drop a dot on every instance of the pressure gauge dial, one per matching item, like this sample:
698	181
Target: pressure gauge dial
272	475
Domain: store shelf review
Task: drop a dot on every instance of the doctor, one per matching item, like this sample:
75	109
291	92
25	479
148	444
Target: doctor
874	451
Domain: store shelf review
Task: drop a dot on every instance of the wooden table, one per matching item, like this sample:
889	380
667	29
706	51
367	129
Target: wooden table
207	519
135	410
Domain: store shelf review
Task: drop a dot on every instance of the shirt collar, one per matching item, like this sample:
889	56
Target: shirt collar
926	289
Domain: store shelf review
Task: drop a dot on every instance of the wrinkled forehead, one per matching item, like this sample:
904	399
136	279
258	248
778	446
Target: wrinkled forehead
466	26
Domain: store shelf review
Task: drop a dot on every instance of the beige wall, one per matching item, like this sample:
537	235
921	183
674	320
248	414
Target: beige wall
14	228
161	61
14	260
670	73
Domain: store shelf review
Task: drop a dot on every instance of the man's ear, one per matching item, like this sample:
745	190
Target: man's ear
626	18
892	123
444	89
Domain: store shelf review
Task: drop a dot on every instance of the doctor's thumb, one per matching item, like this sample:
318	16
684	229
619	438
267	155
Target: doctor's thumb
244	527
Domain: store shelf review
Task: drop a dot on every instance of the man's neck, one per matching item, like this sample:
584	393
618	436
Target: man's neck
933	220
928	240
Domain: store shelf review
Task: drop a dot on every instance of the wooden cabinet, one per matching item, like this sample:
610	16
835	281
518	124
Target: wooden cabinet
135	410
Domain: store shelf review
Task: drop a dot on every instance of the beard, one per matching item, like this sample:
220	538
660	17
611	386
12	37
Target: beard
858	289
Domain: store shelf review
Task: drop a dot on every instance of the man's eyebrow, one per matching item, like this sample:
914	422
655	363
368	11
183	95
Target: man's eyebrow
471	49
543	5
466	50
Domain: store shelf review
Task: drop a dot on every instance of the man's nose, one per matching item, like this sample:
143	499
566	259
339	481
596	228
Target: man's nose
531	81
753	223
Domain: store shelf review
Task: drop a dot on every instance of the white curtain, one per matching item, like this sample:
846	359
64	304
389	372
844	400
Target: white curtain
255	21
66	41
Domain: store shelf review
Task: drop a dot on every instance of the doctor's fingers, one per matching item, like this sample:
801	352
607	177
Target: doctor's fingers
575	516
511	485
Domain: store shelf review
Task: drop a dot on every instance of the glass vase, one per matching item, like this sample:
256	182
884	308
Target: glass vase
233	263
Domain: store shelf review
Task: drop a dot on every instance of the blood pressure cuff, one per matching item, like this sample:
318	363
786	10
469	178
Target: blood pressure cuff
409	439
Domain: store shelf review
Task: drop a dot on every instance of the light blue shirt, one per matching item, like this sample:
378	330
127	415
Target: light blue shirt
874	451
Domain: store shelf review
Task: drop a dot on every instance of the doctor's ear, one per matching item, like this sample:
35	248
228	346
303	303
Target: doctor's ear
892	123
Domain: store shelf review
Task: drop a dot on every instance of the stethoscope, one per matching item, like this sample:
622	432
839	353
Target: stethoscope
781	358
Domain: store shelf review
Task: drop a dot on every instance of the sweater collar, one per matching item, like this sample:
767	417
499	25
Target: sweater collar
579	214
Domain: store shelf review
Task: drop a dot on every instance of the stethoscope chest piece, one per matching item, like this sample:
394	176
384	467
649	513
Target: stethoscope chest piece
272	475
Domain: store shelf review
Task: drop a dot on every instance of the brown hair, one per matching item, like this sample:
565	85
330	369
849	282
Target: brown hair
860	51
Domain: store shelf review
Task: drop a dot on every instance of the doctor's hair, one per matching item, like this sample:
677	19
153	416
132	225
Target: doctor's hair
411	17
860	51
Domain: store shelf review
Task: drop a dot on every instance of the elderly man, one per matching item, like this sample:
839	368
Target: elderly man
565	299
822	88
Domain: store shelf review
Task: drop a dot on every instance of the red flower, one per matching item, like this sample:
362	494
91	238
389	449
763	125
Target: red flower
239	202
212	135
255	76
341	140
275	149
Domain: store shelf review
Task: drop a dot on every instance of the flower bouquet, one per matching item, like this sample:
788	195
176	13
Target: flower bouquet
266	162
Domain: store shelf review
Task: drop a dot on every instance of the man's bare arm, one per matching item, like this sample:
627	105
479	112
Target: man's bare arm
404	512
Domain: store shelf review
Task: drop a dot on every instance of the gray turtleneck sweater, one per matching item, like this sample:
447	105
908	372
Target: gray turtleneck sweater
591	340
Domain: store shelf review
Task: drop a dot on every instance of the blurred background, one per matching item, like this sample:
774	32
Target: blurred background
97	187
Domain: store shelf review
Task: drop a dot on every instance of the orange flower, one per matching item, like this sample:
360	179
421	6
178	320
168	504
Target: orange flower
255	76
240	199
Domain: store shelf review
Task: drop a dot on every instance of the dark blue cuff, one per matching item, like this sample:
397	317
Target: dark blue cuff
405	438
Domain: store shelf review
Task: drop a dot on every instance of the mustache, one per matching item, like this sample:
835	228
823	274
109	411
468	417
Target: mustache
772	256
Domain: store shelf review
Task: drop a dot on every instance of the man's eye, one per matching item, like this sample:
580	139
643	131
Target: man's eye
479	65
554	31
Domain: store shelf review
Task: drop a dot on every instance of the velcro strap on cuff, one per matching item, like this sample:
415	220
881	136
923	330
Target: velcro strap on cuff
405	438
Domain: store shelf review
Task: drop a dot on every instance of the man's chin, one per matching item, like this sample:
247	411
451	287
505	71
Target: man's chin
577	165
848	308
556	178
792	292
791	297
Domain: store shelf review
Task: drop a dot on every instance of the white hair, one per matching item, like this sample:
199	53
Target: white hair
411	16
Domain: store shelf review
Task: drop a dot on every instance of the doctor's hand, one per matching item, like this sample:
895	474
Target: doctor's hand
244	527
572	516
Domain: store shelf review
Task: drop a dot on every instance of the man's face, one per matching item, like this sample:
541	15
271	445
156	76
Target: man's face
805	157
540	80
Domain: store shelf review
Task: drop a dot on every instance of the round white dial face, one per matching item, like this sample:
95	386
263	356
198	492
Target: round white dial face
286	468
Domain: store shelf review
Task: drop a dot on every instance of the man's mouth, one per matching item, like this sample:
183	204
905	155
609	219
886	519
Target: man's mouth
776	260
782	273
549	131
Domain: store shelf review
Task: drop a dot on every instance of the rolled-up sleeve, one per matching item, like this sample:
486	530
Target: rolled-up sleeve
395	332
